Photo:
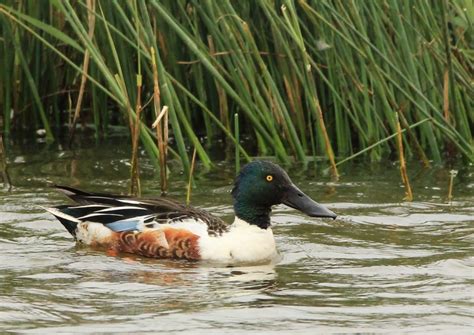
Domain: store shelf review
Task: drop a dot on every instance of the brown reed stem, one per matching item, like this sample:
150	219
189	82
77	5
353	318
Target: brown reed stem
452	175
403	168
165	144
3	166
327	143
135	188
160	125
446	95
221	95
190	180
418	148
85	67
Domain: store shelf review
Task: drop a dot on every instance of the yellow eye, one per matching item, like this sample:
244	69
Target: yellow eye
269	177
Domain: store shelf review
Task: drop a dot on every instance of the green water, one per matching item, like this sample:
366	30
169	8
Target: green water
382	266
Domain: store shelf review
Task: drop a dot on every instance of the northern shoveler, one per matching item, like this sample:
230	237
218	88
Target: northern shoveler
162	228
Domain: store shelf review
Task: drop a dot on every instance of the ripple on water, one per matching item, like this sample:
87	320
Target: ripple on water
382	266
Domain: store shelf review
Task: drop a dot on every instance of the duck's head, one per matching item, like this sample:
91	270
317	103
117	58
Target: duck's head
260	185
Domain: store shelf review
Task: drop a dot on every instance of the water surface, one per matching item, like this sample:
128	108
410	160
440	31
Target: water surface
383	266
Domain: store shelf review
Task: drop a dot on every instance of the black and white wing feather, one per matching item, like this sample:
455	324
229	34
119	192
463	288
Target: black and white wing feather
122	213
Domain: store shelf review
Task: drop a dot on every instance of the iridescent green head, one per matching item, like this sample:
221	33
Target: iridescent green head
262	184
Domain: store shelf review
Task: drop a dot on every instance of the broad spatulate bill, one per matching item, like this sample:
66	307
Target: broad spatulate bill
163	228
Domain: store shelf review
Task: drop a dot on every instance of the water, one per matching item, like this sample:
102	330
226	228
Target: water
383	266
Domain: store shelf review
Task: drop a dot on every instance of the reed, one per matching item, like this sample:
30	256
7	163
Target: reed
237	140
297	94
135	187
190	178
452	175
161	126
402	162
85	67
3	167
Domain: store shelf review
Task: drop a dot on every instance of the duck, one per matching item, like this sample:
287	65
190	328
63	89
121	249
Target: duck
166	229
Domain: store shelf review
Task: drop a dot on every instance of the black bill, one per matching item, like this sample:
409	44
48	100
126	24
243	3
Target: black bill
296	199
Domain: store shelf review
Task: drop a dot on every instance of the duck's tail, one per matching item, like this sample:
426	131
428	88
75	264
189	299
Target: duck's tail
68	221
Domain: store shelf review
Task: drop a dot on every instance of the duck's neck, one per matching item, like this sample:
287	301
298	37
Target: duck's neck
254	215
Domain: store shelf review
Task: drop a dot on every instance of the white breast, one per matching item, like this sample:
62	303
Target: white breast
243	243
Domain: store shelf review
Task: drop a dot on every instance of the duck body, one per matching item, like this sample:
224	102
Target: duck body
163	228
193	235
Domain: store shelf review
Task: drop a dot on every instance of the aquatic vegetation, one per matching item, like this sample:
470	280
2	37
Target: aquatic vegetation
307	78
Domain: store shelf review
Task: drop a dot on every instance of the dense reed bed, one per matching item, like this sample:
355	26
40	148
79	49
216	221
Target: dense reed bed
305	78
